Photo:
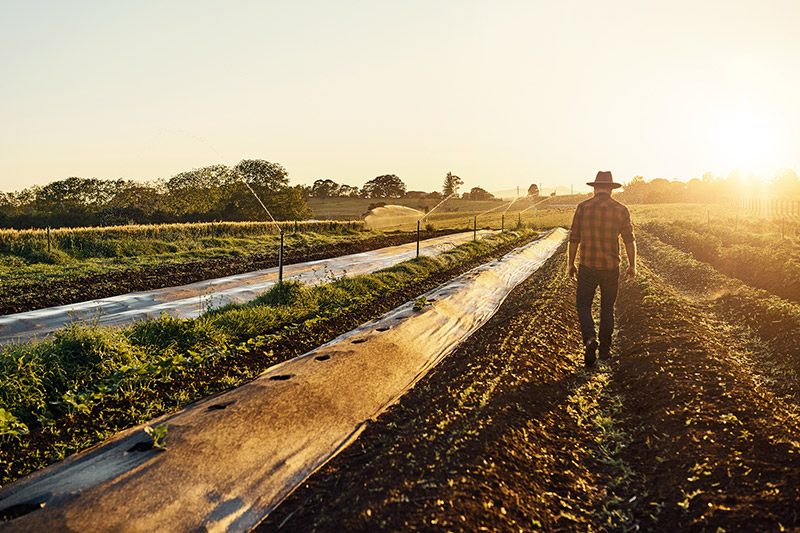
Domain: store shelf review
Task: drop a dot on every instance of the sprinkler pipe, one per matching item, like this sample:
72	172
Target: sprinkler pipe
417	238
280	261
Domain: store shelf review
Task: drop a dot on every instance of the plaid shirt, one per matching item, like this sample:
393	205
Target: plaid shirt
597	225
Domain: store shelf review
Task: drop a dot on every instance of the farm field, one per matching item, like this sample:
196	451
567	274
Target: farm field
28	285
693	427
86	264
63	395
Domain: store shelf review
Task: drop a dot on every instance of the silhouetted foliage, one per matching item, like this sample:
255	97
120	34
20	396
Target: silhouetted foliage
386	186
216	192
451	184
476	193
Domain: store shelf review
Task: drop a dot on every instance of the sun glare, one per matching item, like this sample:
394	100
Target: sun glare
745	142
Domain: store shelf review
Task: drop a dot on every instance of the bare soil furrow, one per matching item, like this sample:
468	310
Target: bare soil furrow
716	450
486	442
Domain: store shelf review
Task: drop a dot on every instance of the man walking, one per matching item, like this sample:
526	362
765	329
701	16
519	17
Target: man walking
596	227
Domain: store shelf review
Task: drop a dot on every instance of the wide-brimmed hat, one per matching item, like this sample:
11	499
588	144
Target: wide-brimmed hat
604	178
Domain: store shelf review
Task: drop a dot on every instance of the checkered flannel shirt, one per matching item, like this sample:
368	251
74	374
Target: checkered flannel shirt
597	225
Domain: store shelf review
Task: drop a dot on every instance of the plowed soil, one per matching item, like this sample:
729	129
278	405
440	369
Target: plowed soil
39	295
687	428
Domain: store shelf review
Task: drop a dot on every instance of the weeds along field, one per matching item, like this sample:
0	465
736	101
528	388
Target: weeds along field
62	395
693	426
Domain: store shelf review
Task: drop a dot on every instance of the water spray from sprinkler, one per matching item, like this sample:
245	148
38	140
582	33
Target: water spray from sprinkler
436	206
534	205
510	204
425	216
225	159
280	251
492	209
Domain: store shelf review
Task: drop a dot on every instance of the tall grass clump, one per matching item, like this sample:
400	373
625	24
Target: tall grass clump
37	376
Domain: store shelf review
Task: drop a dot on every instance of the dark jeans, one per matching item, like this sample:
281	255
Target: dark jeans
588	281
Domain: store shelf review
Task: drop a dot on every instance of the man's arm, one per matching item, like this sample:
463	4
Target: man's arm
630	250
574	240
572	250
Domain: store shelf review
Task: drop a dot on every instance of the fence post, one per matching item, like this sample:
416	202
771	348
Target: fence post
502	222
475	229
48	239
417	238
280	261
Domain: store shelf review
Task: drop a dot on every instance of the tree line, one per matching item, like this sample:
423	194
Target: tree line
220	192
207	194
216	192
391	186
709	189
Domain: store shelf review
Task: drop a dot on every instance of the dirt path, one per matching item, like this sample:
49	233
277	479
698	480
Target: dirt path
683	432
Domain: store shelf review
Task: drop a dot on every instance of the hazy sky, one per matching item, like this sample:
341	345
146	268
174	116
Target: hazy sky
501	93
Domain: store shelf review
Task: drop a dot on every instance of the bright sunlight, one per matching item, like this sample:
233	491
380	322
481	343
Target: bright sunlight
746	141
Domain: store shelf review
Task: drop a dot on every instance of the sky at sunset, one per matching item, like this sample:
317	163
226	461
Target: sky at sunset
501	93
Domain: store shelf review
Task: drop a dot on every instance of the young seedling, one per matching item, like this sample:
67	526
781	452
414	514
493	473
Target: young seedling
419	303
158	434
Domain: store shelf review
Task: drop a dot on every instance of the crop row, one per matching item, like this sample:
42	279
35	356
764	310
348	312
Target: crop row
107	241
774	320
88	382
754	253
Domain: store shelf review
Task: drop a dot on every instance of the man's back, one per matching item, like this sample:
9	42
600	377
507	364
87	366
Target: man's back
597	225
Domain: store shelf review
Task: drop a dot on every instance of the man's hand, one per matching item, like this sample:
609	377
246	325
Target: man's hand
572	271
630	273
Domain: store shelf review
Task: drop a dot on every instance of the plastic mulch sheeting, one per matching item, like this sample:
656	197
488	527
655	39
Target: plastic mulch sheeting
189	301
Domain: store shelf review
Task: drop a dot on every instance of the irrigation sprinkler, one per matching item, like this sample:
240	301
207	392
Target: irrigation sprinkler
502	222
48	239
280	229
417	238
475	228
280	262
519	219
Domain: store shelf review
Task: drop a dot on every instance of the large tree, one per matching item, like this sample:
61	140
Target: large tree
192	194
262	174
476	193
325	188
533	190
386	186
451	184
269	181
786	183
